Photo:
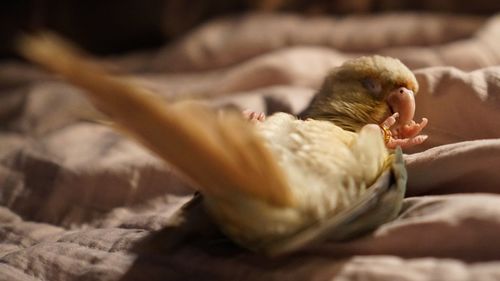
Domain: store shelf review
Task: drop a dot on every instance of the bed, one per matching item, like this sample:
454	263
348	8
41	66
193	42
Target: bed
79	201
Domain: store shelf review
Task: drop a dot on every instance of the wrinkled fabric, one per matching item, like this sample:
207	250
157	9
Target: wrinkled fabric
80	201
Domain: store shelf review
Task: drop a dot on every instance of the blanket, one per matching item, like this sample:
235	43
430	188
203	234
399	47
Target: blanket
80	201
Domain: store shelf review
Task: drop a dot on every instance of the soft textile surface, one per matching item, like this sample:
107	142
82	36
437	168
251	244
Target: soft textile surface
82	202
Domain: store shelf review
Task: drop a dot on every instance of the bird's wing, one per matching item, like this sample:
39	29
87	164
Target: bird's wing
220	154
379	204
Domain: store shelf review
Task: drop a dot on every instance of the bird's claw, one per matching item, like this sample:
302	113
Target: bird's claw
404	136
412	129
253	116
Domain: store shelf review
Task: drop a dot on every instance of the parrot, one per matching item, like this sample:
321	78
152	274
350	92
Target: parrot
275	185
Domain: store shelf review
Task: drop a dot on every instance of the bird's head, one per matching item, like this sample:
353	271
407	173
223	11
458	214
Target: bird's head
365	90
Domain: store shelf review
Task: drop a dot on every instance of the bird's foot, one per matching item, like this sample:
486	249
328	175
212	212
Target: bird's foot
253	116
404	136
412	129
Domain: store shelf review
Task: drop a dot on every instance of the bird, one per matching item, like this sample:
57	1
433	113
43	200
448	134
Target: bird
277	184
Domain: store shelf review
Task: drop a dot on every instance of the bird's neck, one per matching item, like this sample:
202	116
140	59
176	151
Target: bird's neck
349	116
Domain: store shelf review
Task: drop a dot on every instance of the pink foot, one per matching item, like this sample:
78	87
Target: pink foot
253	116
405	136
412	129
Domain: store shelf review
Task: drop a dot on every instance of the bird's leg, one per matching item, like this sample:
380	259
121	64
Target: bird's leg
406	136
253	116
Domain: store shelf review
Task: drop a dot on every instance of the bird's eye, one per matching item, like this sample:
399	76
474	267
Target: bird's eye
372	85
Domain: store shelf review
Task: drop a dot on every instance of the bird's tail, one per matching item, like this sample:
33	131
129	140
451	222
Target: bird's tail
222	155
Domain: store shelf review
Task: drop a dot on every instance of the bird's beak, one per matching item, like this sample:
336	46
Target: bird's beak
402	100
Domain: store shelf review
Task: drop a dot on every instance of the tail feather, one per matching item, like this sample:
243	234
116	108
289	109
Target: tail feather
222	155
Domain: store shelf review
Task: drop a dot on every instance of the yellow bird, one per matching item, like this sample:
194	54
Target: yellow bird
281	183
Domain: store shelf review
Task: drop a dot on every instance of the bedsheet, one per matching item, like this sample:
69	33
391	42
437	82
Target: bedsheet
79	201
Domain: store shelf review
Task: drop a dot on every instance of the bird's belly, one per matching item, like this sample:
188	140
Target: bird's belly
322	166
318	162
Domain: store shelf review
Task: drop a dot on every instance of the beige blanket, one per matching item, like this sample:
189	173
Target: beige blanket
82	202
